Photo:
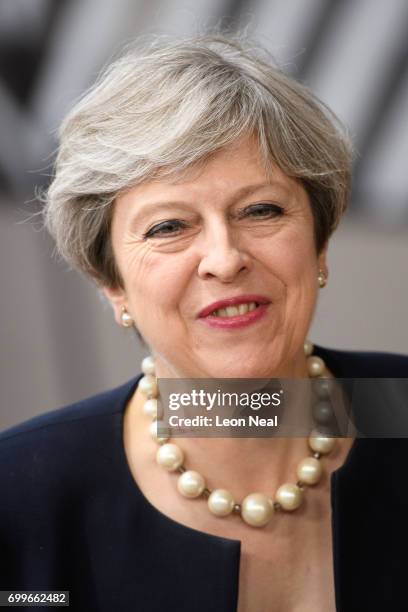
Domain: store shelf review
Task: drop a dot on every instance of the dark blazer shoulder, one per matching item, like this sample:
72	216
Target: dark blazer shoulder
62	450
98	405
364	364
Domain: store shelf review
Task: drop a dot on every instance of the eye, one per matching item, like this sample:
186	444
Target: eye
263	210
165	228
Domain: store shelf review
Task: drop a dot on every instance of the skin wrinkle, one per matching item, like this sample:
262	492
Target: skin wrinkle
168	280
149	208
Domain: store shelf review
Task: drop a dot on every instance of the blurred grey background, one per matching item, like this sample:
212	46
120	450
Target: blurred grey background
58	340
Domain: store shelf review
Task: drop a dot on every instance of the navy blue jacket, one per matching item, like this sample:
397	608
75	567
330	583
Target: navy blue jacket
72	517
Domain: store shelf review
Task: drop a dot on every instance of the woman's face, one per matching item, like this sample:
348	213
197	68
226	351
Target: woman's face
226	231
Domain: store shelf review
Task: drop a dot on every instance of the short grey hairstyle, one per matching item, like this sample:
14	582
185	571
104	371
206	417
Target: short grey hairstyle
167	105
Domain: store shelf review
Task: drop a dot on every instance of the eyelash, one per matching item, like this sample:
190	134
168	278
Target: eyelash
273	210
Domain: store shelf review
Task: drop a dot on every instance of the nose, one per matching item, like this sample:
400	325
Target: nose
221	257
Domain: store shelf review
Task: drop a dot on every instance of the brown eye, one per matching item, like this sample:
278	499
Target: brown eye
166	228
261	211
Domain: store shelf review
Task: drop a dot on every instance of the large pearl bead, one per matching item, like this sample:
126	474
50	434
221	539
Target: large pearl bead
150	408
191	484
257	509
289	496
155	435
221	502
323	387
148	365
322	412
170	457
321	444
309	470
148	385
315	366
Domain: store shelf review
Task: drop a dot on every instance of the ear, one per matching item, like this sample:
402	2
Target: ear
117	298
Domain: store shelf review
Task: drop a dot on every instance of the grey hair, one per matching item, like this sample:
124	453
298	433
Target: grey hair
165	106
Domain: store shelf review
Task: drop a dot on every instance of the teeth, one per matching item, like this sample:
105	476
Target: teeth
221	312
233	311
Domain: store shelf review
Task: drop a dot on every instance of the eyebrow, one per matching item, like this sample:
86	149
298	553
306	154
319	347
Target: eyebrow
150	207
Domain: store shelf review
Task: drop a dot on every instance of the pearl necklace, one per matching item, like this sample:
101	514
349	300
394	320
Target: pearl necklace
256	509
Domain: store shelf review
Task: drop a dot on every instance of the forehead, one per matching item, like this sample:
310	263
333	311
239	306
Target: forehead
232	175
229	174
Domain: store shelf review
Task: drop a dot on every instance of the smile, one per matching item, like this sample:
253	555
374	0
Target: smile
234	317
233	311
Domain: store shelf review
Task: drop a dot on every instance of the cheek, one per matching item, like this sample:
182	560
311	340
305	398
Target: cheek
301	284
292	258
156	283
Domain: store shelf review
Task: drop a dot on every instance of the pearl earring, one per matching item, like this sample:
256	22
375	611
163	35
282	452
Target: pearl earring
126	318
322	279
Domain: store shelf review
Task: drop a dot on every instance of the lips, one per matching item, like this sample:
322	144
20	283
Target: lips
233	301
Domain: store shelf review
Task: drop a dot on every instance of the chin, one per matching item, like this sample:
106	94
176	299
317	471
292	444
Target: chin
238	370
